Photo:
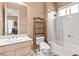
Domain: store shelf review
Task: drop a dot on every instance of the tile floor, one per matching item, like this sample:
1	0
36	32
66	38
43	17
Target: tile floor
38	53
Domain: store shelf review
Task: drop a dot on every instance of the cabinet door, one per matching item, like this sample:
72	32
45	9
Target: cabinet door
23	51
10	53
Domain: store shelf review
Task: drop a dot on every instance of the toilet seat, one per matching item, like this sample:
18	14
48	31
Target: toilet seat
44	45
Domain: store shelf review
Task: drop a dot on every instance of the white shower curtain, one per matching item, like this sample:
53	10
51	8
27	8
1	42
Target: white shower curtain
55	30
59	31
51	20
50	29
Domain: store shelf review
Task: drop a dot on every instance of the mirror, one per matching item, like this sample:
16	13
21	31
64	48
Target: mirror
13	19
12	27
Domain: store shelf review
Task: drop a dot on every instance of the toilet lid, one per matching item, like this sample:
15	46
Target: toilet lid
44	45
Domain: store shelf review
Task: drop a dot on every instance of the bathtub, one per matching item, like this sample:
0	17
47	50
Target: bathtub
66	50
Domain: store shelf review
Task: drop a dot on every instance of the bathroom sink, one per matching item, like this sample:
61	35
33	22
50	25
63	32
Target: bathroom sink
6	41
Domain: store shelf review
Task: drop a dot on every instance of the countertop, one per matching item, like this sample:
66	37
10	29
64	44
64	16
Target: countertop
15	40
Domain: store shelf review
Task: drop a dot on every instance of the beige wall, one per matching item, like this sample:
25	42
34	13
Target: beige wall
50	5
36	9
1	19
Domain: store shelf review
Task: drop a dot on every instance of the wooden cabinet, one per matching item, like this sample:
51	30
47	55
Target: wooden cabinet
17	49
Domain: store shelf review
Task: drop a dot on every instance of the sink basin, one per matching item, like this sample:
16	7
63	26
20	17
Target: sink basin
8	40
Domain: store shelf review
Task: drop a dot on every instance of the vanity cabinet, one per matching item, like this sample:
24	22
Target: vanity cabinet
17	49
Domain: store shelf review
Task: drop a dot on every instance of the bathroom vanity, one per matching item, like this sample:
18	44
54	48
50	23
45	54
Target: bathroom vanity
13	30
16	46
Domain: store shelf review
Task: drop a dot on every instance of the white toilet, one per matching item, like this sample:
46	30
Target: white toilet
44	47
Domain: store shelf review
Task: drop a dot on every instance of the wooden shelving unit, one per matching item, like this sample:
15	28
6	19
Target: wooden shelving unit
39	29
